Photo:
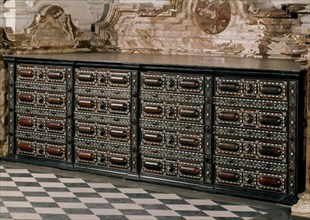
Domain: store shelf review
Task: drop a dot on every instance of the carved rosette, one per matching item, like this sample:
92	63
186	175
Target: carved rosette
212	16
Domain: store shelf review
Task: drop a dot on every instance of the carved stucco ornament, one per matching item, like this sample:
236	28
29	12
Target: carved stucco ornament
212	16
48	27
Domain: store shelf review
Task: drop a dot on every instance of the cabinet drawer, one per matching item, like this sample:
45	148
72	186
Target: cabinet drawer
251	179
41	124
103	131
180	112
43	100
160	81
265	89
38	73
40	149
103	77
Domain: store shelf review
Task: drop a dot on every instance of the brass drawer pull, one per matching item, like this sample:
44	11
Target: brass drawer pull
118	106
118	160
26	122
228	146
85	156
86	77
26	73
86	103
189	84
270	151
54	151
118	79
152	109
118	133
152	137
86	129
54	126
25	147
271	90
192	113
153	165
270	181
192	171
25	98
228	176
270	120
228	116
189	141
229	87
55	75
55	100
152	82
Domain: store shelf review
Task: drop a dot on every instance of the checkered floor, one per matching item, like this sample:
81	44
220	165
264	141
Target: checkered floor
31	195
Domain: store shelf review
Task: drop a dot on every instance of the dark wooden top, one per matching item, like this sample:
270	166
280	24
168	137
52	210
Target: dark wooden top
170	60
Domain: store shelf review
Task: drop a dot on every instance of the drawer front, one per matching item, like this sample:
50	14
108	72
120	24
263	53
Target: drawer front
103	131
264	89
43	100
41	149
103	158
45	74
41	124
159	81
179	112
251	179
250	149
251	118
103	77
173	168
103	105
173	140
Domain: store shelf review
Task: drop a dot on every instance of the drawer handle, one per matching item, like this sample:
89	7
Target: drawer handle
152	109
228	146
118	160
189	141
189	84
86	103
86	77
152	137
270	120
55	100
229	87
26	122
152	82
271	90
54	151
85	156
118	133
192	113
118	79
118	106
25	98
55	75
86	129
270	181
153	165
54	126
228	116
25	147
270	151
192	171
26	73
227	176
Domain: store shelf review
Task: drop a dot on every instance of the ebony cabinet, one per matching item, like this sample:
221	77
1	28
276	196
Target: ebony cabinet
222	125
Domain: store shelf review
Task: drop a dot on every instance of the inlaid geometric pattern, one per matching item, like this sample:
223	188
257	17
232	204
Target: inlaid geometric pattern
31	195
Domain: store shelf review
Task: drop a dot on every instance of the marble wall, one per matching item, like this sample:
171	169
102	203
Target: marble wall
243	28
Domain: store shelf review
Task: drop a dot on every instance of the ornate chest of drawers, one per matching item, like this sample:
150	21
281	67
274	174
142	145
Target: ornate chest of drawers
217	124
